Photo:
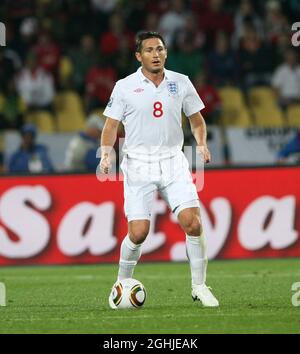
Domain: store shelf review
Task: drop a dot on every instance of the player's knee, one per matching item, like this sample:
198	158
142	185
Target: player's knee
193	226
139	232
139	235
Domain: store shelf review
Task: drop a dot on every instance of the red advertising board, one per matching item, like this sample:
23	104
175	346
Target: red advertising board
74	219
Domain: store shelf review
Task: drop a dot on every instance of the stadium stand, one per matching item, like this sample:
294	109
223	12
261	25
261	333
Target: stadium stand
293	115
66	46
262	97
268	117
70	115
65	70
43	120
235	111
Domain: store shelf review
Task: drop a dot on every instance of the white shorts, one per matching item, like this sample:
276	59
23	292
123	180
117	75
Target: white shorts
170	177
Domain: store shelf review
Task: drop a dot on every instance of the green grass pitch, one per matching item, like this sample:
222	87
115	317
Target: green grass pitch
255	297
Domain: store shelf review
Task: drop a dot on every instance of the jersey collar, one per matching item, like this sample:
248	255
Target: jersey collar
143	77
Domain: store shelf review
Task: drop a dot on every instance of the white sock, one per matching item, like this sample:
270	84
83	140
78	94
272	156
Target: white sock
196	253
129	256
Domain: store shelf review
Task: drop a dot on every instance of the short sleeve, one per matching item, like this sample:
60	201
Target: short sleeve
116	107
192	103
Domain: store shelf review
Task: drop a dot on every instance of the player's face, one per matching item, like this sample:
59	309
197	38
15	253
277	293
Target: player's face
153	55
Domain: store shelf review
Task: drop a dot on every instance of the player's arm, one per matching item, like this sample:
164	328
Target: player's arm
108	139
198	128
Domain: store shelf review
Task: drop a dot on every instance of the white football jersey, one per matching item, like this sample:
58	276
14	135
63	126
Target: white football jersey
152	115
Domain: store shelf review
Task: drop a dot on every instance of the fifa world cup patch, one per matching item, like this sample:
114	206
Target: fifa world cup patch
172	87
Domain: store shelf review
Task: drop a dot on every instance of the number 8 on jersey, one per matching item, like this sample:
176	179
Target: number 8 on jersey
157	112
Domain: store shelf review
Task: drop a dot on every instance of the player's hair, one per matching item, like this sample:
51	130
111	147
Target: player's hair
141	36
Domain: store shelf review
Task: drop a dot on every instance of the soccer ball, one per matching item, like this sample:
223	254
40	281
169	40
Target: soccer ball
127	294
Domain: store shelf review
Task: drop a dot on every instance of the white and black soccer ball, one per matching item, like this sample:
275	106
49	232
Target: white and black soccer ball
127	294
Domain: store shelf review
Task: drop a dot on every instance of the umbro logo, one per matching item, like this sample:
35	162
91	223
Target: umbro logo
138	90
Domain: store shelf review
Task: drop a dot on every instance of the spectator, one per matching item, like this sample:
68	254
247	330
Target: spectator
30	156
7	68
151	22
100	80
186	59
244	14
29	27
291	148
124	62
158	7
74	20
214	19
110	41
104	6
102	11
35	86
83	59
135	15
190	32
210	98
222	63
254	60
280	48
12	109
82	150
48	53
275	22
172	21
28	34
286	80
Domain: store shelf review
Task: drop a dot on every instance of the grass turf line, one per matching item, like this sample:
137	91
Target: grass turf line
255	297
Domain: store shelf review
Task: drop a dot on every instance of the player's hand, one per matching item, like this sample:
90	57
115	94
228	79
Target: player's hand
105	164
204	152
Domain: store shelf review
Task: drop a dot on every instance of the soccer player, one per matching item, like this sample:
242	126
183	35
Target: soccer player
149	104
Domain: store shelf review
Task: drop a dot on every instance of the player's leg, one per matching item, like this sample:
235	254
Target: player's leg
137	210
130	251
182	197
190	221
138	198
131	247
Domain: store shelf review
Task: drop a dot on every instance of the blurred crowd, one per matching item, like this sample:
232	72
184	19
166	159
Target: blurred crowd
85	46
